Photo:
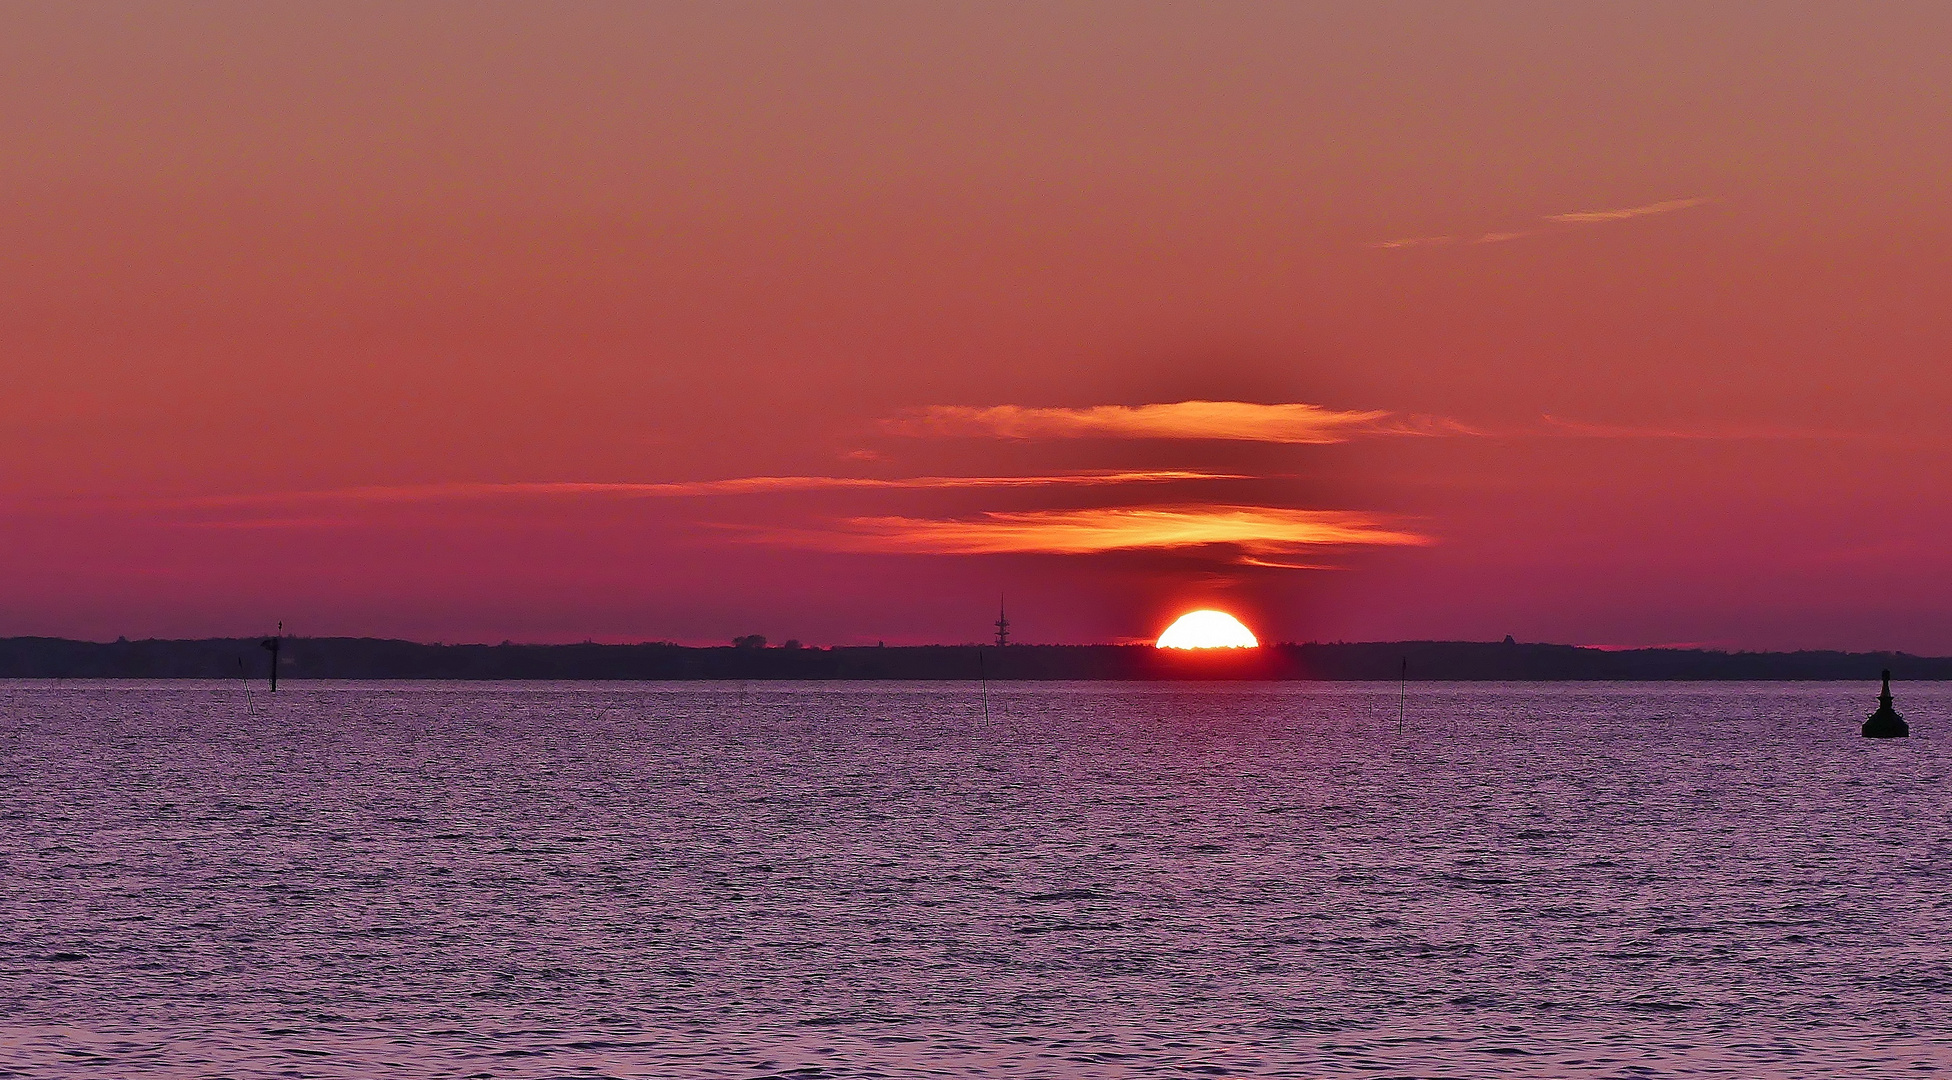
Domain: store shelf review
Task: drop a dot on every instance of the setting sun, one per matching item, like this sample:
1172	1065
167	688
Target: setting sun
1207	630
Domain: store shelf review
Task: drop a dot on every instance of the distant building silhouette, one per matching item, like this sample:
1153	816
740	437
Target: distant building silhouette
1002	624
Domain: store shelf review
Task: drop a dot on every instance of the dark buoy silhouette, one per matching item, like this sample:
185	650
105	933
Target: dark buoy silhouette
1885	723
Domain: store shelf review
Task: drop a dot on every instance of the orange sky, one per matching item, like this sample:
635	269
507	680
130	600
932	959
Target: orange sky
1612	324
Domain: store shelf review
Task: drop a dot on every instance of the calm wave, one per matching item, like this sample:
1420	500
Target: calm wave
1531	880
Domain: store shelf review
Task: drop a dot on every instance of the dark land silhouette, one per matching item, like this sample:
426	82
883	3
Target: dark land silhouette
375	658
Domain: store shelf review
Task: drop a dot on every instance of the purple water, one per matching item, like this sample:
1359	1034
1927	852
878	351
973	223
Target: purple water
1100	880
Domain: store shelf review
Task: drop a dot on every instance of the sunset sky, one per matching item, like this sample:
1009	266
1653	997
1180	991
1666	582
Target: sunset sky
1591	323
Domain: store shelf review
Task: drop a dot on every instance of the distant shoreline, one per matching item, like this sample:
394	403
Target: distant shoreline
376	658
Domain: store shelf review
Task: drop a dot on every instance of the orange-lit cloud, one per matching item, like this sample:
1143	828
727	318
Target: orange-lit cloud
1262	535
1415	241
1244	421
1481	238
1580	217
743	485
1594	217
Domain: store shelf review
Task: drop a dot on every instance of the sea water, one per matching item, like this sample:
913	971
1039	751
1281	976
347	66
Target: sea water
198	879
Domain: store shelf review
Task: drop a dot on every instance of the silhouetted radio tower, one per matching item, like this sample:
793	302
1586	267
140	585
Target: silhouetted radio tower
1002	623
271	645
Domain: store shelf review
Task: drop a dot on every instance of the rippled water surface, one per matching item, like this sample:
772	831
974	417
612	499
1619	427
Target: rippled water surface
530	880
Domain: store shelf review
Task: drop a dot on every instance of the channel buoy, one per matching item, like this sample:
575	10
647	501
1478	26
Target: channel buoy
1885	723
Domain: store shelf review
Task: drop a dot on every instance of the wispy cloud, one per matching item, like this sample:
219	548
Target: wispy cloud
744	485
1257	535
1415	241
1578	217
1241	421
314	522
1594	217
1481	238
1290	422
1554	427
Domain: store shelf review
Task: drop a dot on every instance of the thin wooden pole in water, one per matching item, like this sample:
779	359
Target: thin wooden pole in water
1402	694
983	678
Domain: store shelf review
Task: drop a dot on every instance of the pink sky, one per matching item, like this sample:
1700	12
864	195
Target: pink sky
1621	324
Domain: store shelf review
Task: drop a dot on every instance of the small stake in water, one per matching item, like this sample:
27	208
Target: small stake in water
1402	694
983	679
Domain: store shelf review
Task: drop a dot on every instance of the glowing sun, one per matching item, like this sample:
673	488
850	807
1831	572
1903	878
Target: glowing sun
1207	630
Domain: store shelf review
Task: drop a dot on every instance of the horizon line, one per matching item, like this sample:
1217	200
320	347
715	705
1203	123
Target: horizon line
769	645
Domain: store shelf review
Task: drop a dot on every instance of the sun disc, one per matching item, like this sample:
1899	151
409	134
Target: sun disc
1207	629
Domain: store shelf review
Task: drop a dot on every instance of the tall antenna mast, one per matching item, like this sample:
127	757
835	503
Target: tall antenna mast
1002	623
271	645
